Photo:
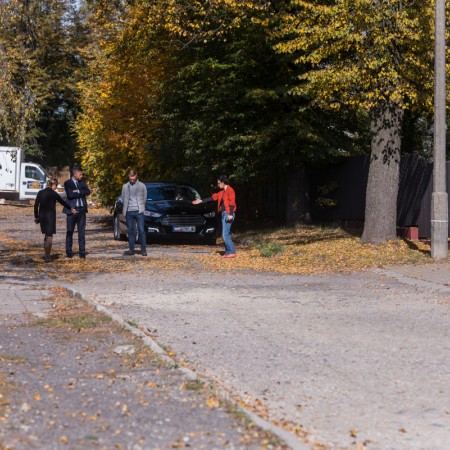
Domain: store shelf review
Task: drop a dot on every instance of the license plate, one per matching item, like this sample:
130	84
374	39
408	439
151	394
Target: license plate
183	229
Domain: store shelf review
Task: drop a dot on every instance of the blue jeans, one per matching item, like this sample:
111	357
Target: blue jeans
132	217
226	233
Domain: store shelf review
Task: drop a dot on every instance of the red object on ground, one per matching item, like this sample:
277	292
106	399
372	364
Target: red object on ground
412	233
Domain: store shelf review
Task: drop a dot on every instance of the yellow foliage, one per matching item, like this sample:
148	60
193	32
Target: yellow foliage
362	52
129	60
116	122
17	95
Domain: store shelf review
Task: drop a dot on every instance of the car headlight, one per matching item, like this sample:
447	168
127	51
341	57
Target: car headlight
210	214
152	214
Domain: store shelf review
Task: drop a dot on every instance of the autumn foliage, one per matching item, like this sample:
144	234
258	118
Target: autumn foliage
251	88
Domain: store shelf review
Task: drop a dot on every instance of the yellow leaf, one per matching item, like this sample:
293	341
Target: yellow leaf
212	402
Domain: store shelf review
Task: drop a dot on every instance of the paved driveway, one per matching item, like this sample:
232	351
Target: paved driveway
357	358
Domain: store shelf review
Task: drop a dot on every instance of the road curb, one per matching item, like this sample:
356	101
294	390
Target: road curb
288	438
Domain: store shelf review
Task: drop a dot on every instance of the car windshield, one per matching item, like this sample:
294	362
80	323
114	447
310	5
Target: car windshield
171	193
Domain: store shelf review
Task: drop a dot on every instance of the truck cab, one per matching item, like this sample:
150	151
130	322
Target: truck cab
32	179
21	180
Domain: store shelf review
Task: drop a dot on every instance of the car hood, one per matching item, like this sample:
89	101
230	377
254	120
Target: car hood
179	207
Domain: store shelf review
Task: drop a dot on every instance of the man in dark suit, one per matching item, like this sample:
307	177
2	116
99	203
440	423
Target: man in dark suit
76	190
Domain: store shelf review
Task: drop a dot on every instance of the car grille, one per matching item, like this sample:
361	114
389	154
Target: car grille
183	220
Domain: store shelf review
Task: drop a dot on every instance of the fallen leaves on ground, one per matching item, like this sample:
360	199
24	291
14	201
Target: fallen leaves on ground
4	389
310	250
213	402
67	268
28	252
302	250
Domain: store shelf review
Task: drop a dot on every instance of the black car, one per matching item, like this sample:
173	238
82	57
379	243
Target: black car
169	213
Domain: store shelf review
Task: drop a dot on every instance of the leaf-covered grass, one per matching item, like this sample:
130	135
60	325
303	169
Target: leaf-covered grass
271	248
68	311
193	385
314	249
76	321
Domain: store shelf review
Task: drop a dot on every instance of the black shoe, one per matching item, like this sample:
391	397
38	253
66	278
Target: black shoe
144	253
129	253
69	255
82	256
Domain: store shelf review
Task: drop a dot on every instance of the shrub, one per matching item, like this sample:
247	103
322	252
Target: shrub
269	249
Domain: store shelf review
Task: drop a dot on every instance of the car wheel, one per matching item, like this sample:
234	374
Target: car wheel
118	236
211	241
136	234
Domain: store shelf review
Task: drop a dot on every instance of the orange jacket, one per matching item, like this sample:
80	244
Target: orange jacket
229	199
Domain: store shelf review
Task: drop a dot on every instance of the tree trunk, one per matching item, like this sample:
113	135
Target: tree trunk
382	187
297	201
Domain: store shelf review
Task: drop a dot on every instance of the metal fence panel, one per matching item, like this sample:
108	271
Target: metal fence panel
338	192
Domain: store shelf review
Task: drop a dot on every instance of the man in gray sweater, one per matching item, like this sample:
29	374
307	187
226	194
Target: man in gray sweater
134	196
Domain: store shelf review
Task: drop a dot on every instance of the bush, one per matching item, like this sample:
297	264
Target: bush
269	249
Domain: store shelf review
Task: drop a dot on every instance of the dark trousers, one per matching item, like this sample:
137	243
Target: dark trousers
78	220
133	217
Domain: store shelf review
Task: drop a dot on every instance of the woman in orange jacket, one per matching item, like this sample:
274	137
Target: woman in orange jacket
226	206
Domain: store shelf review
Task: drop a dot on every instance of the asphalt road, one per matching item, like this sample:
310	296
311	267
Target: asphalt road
350	358
353	359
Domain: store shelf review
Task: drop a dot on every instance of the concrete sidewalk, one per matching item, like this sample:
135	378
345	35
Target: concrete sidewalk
434	276
23	291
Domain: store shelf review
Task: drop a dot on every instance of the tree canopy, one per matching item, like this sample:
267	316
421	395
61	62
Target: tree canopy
180	99
190	89
38	53
371	55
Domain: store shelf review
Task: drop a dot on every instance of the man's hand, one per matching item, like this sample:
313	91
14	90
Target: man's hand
74	211
36	220
196	201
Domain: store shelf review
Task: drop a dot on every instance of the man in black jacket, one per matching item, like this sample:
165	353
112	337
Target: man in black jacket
76	190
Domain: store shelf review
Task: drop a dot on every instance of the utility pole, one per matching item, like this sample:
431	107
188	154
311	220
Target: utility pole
439	198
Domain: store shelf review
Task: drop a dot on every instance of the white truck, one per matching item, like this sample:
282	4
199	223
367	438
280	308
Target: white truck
21	180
